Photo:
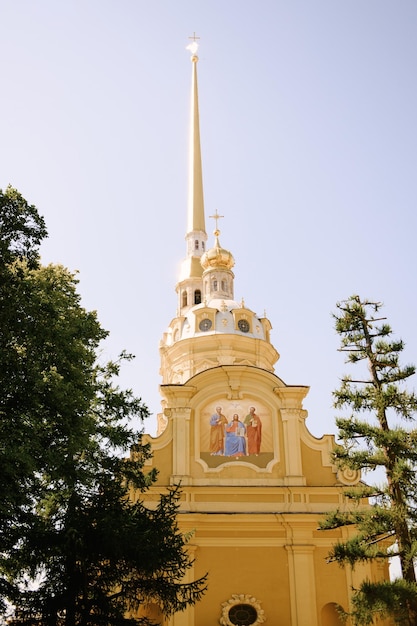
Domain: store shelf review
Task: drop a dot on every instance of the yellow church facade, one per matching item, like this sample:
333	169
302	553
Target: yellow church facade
254	481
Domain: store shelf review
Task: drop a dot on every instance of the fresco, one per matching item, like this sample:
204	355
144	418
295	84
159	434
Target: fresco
231	431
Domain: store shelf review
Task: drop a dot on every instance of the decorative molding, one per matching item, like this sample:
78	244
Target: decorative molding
348	476
243	599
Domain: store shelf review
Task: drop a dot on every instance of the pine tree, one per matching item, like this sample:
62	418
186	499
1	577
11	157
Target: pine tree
376	436
75	549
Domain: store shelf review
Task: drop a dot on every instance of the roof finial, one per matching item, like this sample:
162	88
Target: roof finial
193	47
216	217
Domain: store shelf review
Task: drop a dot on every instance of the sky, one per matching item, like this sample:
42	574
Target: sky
309	149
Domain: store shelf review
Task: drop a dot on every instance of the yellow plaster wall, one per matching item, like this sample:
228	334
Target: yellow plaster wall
314	470
162	460
333	587
258	571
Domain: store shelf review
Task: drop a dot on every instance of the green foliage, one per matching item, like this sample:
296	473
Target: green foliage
387	599
372	437
75	548
21	227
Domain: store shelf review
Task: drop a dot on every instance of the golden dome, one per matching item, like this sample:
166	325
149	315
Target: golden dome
217	257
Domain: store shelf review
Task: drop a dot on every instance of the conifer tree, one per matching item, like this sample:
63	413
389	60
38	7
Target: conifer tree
75	549
377	435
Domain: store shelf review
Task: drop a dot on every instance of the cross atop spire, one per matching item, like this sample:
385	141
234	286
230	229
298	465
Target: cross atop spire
216	217
193	46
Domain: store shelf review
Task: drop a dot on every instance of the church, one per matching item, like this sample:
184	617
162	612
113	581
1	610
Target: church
255	482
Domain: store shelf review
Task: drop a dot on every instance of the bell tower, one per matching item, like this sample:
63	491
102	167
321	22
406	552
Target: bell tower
255	482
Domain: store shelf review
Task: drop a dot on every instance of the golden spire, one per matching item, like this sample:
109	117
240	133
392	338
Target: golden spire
196	237
196	220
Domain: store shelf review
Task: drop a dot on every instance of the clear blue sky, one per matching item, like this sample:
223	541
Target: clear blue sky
309	141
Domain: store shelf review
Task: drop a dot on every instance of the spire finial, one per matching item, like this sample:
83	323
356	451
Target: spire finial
193	47
216	217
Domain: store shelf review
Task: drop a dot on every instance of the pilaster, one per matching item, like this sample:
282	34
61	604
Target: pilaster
293	416
302	585
181	444
186	617
293	461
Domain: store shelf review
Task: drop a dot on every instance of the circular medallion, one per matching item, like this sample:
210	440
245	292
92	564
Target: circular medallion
243	325
205	325
242	610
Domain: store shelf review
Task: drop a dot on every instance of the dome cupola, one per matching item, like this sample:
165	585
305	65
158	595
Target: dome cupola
217	257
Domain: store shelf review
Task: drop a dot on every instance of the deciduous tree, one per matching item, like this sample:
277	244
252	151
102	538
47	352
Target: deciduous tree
75	549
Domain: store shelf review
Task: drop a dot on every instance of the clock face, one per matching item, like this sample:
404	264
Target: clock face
205	325
243	326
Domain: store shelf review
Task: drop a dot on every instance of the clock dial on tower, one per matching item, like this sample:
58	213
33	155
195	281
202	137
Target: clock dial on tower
205	325
243	325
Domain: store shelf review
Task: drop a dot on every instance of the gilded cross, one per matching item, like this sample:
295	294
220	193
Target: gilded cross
193	47
216	217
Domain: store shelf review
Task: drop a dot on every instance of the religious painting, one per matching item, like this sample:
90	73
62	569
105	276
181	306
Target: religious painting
236	431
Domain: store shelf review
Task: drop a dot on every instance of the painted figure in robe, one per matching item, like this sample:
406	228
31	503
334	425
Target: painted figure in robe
235	438
254	431
217	424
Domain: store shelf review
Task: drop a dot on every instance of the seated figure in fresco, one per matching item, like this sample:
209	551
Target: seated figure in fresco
254	431
235	444
217	423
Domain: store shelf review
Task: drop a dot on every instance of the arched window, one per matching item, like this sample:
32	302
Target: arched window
184	298
223	285
197	296
243	614
202	245
196	244
214	284
330	615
